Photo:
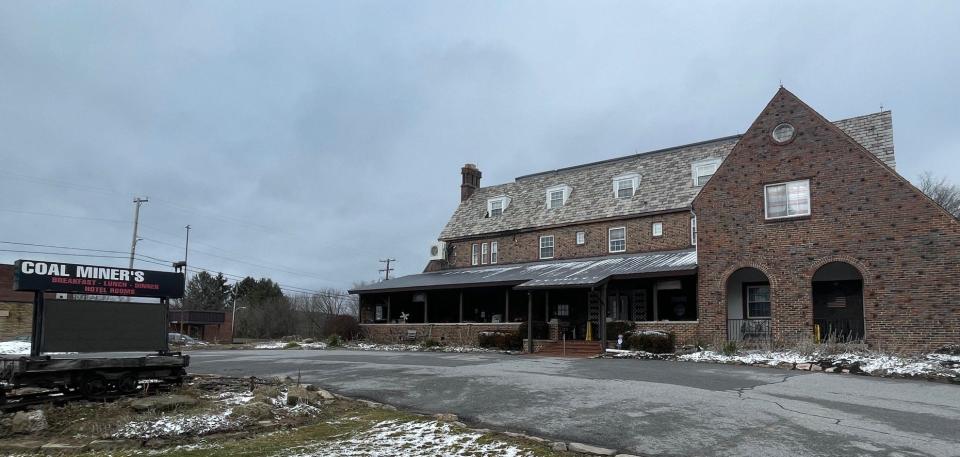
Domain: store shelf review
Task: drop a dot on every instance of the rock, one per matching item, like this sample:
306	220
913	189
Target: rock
446	417
785	365
311	387
254	410
514	434
536	439
559	446
802	366
111	445
28	422
830	370
162	403
815	367
267	425
61	448
325	394
588	449
459	424
626	455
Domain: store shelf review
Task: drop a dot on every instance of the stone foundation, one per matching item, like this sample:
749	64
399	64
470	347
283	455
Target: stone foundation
457	334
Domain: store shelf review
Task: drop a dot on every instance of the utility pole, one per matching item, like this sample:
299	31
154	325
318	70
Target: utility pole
136	221
186	274
386	271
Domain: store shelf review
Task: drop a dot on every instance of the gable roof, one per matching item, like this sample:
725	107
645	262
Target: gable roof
666	184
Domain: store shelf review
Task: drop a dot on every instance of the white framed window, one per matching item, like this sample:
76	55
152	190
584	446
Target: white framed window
693	231
563	309
581	238
379	315
475	254
625	186
494	254
496	206
658	229
703	170
546	247
617	239
789	199
557	196
758	301
484	253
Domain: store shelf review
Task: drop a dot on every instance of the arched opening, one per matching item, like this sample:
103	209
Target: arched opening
749	305
838	302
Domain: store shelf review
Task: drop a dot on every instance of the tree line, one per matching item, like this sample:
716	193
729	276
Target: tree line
265	311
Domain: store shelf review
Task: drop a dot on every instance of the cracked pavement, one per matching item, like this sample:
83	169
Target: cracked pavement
638	406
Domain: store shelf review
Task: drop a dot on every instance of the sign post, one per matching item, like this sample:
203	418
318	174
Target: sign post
43	276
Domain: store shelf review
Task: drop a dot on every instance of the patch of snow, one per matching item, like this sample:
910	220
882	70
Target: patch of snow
270	345
415	348
177	425
235	398
412	439
15	347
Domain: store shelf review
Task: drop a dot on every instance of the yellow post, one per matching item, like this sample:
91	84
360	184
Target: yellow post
816	333
589	336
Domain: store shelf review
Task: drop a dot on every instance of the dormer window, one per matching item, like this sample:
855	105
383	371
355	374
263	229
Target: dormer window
496	206
557	196
625	186
703	170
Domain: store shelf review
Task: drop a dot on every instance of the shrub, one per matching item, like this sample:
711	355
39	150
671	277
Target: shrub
291	345
541	330
504	341
655	342
430	343
344	326
729	348
334	341
615	328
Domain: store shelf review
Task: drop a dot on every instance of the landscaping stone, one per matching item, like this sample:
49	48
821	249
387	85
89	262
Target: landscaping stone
61	448
111	445
162	403
446	417
28	422
803	366
324	394
8	446
559	446
626	455
588	449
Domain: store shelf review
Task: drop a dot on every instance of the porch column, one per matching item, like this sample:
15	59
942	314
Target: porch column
426	301
546	305
461	307
388	308
603	318
506	307
530	322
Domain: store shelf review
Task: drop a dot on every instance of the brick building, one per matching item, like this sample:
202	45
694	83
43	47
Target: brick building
798	227
16	308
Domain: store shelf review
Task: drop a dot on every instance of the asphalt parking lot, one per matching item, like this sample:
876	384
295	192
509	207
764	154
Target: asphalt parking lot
645	407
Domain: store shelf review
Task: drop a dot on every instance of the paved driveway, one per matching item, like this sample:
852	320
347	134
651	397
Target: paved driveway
648	407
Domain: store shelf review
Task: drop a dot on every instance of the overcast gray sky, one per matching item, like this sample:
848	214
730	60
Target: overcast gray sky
305	140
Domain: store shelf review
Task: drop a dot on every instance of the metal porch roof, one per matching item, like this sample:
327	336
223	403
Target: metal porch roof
544	274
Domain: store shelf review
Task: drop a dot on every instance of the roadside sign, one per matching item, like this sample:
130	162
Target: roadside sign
44	276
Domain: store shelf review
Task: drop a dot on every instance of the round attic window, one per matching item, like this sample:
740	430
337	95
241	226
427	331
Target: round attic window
783	133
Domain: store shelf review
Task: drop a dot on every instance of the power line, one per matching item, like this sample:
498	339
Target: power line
386	271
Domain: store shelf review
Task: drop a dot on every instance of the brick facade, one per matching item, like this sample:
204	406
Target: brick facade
16	319
905	246
525	246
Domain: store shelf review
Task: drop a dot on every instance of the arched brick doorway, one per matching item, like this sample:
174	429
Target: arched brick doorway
838	302
749	305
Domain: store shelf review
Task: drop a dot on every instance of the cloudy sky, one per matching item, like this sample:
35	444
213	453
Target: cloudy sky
305	141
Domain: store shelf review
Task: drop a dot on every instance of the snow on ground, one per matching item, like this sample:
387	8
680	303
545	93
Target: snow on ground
270	345
393	437
14	347
414	348
178	425
935	365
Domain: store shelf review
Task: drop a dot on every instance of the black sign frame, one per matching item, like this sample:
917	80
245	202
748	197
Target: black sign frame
69	278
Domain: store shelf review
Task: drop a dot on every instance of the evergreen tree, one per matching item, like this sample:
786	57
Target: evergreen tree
207	292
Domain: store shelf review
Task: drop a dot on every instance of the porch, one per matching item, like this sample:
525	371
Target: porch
562	300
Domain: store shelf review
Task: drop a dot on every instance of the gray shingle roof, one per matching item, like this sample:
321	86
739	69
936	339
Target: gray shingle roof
666	183
544	274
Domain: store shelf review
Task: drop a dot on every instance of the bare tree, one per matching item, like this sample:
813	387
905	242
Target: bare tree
941	191
322	310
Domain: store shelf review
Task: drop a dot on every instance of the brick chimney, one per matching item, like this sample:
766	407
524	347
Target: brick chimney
471	181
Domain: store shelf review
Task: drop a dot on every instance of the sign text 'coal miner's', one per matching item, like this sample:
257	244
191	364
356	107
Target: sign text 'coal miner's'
69	278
